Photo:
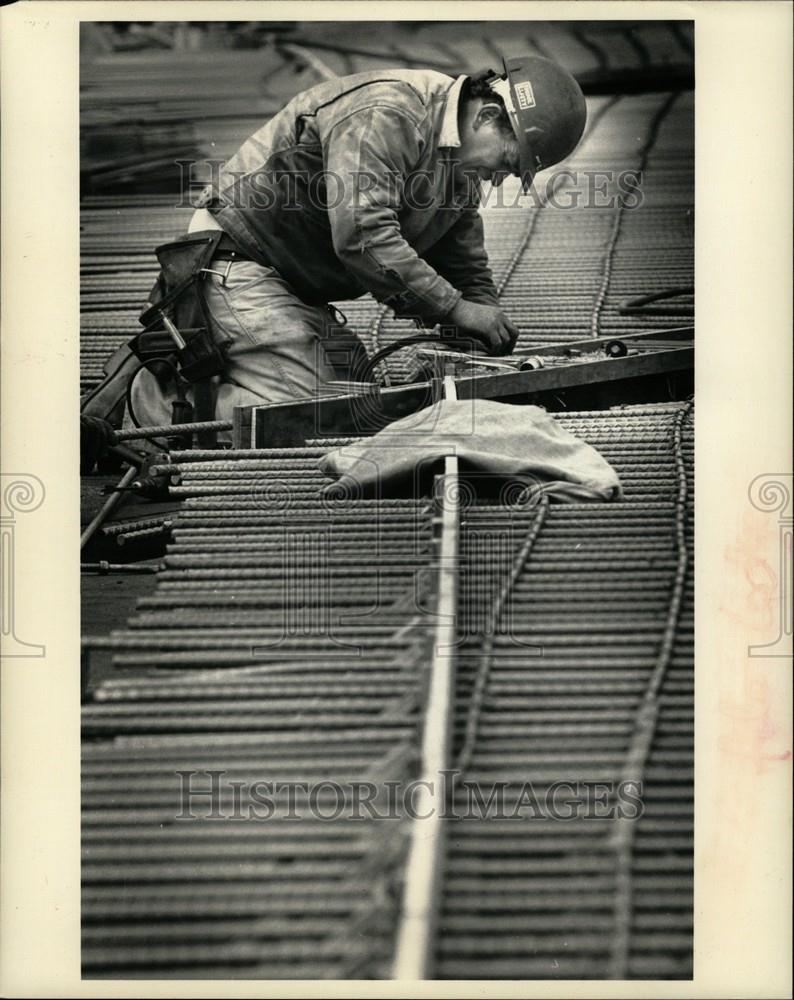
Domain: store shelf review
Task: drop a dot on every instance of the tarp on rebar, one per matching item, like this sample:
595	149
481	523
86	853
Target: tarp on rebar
523	444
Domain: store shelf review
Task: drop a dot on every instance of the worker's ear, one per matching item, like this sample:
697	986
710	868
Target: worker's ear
488	113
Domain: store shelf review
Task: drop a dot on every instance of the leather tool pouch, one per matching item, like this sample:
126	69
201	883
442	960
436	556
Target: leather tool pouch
178	293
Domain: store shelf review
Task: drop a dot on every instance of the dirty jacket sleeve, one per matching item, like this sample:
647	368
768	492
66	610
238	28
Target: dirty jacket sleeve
460	257
368	156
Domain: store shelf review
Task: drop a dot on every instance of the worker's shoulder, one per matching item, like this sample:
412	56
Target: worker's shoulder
413	92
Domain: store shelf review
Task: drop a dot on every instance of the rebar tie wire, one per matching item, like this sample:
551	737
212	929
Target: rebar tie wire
645	720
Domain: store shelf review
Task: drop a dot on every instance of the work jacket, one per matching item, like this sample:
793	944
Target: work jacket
349	189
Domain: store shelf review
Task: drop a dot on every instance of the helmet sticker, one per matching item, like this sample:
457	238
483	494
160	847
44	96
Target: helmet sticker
526	99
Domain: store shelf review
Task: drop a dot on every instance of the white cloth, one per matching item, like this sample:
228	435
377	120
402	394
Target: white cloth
496	438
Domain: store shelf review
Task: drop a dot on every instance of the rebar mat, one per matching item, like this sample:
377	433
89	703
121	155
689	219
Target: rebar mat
286	643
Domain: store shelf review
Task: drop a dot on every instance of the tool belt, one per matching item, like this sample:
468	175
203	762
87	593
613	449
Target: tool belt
177	295
178	333
177	330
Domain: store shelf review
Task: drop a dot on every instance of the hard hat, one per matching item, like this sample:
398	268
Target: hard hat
546	108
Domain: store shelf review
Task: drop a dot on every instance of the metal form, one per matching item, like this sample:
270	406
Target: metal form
554	377
289	641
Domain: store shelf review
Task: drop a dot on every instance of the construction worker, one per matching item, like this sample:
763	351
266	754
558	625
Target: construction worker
365	183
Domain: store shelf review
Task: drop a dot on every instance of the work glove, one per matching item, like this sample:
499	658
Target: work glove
486	324
96	435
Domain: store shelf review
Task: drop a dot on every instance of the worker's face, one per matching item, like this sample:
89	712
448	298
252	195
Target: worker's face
489	148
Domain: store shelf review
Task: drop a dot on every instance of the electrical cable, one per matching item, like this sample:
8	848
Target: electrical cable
364	372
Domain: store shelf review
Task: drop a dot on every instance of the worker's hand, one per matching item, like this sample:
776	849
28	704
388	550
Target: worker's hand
487	324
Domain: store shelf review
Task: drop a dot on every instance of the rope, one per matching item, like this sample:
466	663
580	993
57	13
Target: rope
486	654
645	721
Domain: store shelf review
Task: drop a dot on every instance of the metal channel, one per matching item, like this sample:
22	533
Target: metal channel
414	953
